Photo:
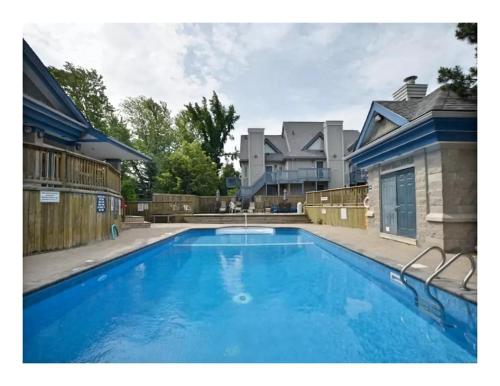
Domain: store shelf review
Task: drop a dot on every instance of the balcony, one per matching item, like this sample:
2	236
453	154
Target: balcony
47	166
297	176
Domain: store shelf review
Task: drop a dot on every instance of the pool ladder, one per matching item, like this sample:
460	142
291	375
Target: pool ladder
443	265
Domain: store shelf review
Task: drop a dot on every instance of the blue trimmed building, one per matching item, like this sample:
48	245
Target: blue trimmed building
71	170
420	155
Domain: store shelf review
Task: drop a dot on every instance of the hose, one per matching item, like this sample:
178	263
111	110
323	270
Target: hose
114	232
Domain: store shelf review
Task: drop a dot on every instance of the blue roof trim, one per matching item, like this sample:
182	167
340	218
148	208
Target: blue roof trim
375	109
56	125
53	85
424	134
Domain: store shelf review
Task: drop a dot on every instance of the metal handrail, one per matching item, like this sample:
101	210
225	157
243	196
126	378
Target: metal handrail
413	261
451	261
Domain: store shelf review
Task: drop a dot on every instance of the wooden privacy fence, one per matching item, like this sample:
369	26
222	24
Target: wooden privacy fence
263	202
171	204
352	196
338	207
47	166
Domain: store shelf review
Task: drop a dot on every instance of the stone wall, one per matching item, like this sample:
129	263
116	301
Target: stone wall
445	192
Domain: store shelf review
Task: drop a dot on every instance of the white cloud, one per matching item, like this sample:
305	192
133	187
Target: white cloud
134	59
270	72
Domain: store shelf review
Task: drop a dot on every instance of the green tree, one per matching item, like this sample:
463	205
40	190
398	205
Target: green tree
152	133
454	78
188	170
87	90
129	188
184	131
213	123
227	170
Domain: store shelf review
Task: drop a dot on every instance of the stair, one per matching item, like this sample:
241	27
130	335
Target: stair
246	193
135	222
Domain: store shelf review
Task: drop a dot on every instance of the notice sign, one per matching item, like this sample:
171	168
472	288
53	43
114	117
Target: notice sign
49	196
101	203
343	213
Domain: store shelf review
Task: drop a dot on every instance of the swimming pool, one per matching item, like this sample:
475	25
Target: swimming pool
270	295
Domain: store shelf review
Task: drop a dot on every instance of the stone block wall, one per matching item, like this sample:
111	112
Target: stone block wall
446	196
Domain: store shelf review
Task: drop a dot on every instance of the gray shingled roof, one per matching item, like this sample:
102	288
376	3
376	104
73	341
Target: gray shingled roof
440	99
298	135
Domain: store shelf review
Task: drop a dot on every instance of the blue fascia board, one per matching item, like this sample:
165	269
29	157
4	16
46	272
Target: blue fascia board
428	132
36	64
50	123
375	109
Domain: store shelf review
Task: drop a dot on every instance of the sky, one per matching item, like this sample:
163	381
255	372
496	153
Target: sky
270	72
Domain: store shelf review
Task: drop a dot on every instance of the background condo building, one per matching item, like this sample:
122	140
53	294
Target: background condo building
306	156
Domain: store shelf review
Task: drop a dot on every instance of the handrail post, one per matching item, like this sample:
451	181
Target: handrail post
451	261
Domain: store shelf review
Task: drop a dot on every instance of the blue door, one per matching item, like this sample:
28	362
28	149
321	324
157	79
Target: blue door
389	204
398	211
406	203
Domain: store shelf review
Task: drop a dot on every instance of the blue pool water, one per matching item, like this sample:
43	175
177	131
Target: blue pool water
287	296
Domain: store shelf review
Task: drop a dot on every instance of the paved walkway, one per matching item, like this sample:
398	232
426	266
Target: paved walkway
43	269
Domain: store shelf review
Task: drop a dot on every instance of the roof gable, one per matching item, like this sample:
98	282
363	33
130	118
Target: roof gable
372	129
316	143
41	87
270	148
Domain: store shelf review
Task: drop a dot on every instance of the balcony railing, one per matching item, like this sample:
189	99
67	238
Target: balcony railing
48	166
298	176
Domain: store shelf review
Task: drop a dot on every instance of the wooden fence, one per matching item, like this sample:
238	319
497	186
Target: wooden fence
338	207
352	196
78	180
163	204
71	222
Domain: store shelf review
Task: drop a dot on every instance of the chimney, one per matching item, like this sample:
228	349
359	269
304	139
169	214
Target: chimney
410	91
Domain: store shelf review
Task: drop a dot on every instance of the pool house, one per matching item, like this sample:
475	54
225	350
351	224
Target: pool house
420	153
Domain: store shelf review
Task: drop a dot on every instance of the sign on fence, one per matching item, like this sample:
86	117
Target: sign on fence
49	196
100	203
343	213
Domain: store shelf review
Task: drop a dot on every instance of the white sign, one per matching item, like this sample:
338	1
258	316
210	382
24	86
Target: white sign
343	213
323	211
142	206
49	196
324	198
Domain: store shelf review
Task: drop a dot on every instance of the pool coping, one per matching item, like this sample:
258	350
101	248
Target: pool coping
443	284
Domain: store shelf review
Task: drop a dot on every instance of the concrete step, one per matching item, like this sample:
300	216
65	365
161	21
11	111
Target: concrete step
130	219
136	224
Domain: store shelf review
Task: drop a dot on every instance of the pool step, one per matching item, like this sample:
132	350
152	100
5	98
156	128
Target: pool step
135	222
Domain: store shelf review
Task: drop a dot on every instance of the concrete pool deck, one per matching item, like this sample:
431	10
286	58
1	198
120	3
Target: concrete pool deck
43	269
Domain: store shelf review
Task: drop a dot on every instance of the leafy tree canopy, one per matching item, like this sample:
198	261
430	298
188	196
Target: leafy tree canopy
464	84
188	170
227	170
87	90
152	132
213	123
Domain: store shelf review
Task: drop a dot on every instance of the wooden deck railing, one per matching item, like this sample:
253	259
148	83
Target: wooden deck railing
49	166
352	196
